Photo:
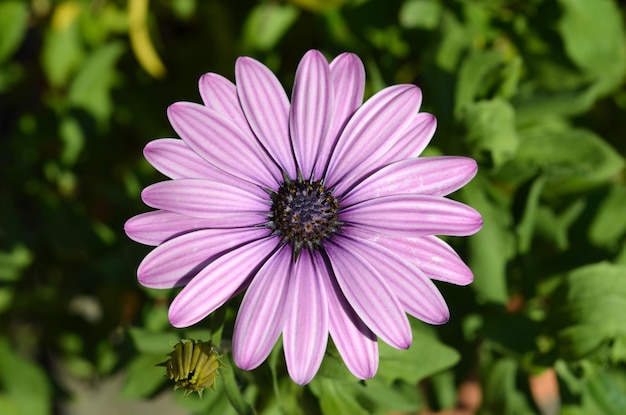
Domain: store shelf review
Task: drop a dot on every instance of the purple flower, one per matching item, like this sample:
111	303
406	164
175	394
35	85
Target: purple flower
320	210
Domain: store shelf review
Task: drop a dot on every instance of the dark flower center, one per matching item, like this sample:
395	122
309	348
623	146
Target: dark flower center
304	213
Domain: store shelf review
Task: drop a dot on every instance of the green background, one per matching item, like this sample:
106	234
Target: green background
534	90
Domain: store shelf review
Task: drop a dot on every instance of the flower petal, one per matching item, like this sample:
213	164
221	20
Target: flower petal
266	106
429	253
436	176
311	105
154	228
206	199
263	311
176	261
370	297
306	331
412	215
221	142
412	142
348	83
217	282
176	160
417	294
354	340
372	130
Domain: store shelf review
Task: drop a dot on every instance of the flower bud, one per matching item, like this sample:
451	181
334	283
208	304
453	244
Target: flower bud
193	366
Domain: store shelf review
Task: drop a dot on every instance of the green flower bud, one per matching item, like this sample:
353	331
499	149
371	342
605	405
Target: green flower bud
193	366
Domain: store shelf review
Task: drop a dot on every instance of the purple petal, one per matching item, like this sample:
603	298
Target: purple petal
354	340
372	131
176	261
217	282
348	83
310	110
436	176
370	297
408	145
153	228
306	330
221	142
266	106
220	95
175	159
412	215
417	294
429	253
412	142
206	199
263	311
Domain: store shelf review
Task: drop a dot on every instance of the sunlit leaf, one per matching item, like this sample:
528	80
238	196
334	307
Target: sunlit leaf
266	24
91	88
423	14
13	26
491	129
426	356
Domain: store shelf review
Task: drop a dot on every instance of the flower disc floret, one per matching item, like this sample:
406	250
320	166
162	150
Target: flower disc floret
304	214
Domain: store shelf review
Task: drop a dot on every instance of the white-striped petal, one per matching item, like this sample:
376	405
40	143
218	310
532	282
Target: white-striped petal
306	330
263	311
219	281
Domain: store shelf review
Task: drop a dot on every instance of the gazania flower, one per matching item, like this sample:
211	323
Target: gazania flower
319	209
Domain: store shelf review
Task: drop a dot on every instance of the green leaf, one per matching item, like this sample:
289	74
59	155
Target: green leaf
454	40
576	342
609	224
422	14
501	392
606	392
266	24
62	53
143	376
526	227
588	161
493	246
379	396
426	356
335	397
90	90
24	383
13	26
153	342
477	71
491	128
555	227
593	35
589	308
12	263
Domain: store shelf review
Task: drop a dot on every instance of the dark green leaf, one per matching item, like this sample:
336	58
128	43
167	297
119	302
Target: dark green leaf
492	247
426	356
143	376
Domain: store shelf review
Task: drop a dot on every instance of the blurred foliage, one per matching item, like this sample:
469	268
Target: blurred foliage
534	90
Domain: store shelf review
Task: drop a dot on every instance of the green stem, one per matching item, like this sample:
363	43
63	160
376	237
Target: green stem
234	393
